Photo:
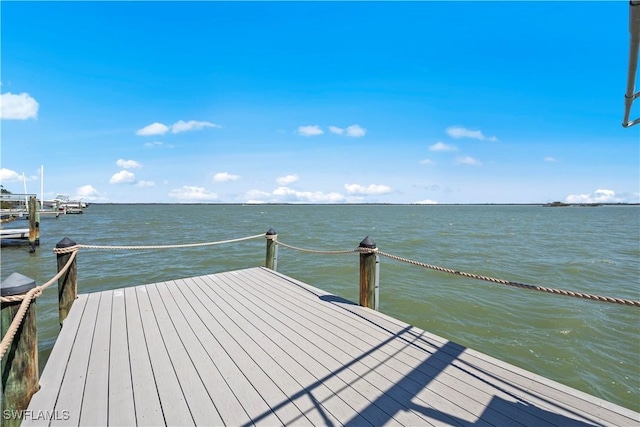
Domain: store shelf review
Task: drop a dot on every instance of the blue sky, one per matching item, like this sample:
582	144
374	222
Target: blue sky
318	102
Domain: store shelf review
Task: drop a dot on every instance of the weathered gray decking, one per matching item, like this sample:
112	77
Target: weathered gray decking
256	347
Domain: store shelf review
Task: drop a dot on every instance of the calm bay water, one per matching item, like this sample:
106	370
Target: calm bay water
594	347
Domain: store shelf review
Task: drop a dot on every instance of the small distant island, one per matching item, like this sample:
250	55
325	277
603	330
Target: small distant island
562	204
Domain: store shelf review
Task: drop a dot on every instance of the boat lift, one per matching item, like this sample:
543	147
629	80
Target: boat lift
634	44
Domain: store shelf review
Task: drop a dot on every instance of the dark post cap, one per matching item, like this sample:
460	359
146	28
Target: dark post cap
368	243
16	284
65	243
271	232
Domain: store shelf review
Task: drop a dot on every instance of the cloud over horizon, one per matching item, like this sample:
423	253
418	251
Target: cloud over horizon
441	146
372	189
460	132
225	177
603	196
128	164
9	175
188	193
286	180
468	160
157	128
353	131
122	177
18	106
309	130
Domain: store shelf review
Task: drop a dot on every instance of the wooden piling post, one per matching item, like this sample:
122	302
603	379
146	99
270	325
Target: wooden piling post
368	274
37	223
20	362
33	228
68	282
272	250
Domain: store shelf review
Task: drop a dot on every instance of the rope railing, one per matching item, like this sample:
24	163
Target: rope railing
574	294
314	251
26	301
151	247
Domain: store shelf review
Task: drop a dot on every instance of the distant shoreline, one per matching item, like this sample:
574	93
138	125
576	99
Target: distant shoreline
365	204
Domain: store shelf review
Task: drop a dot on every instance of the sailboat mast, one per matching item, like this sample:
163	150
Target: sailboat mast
41	187
24	183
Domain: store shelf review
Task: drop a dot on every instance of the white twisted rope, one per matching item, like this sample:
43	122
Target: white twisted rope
26	301
516	284
186	245
313	251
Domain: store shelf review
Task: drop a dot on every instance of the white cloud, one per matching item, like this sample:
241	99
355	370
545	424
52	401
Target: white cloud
225	177
145	184
257	195
289	195
128	164
179	126
320	197
18	107
336	130
311	130
286	180
441	146
182	126
468	161
284	191
603	196
192	194
9	175
153	144
460	132
122	177
153	129
550	159
369	190
426	162
426	202
355	131
88	192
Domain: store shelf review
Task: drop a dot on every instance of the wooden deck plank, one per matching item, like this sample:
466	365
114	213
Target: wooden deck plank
95	407
256	347
121	400
195	393
234	395
172	400
145	394
73	383
51	379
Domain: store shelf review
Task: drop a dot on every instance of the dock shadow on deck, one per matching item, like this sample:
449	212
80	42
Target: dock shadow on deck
257	347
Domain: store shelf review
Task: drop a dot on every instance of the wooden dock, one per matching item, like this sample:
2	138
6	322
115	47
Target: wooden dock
257	347
14	233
